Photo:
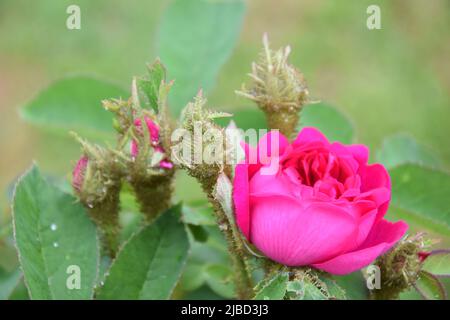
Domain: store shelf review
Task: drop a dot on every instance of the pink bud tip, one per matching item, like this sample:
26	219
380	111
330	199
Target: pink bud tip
78	173
423	255
153	131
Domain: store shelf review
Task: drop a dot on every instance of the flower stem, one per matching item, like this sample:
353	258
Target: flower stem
242	275
105	215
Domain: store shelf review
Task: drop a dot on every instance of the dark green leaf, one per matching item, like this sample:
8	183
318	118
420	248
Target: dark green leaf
196	37
52	233
198	232
74	103
150	263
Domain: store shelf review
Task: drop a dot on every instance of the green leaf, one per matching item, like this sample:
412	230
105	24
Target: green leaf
198	213
8	282
311	292
333	124
209	264
196	38
274	288
438	263
354	285
422	194
335	291
400	149
219	277
429	287
20	292
74	103
149	86
198	232
203	293
304	290
150	263
53	232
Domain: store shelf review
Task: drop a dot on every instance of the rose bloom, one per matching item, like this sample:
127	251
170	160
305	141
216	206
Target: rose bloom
323	206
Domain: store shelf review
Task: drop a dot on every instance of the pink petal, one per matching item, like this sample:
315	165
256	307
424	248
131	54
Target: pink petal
310	134
251	159
366	223
278	184
272	144
382	237
78	173
374	176
297	235
134	148
153	129
166	164
241	199
380	197
360	152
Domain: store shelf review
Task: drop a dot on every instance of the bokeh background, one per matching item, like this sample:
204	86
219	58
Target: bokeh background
386	81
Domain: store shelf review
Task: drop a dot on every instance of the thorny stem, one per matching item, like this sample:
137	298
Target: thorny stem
105	215
242	275
153	193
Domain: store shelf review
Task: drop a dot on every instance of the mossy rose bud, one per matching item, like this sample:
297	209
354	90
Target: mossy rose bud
153	132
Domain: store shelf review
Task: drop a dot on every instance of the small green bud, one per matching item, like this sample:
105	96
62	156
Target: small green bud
278	88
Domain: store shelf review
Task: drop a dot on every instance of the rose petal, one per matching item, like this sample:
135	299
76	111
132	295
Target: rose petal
382	237
380	197
272	144
374	176
277	184
310	134
360	152
296	235
241	198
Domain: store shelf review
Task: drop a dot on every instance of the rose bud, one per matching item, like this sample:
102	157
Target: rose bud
322	207
153	131
78	173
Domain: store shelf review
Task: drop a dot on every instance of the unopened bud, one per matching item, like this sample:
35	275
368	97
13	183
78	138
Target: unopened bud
278	88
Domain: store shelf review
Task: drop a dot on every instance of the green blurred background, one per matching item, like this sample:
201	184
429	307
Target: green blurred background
386	81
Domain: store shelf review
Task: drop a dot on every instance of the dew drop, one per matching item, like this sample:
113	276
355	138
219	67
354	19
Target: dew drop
55	244
53	227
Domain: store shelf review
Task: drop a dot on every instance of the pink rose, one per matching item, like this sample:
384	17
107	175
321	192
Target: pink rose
78	173
153	131
323	207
